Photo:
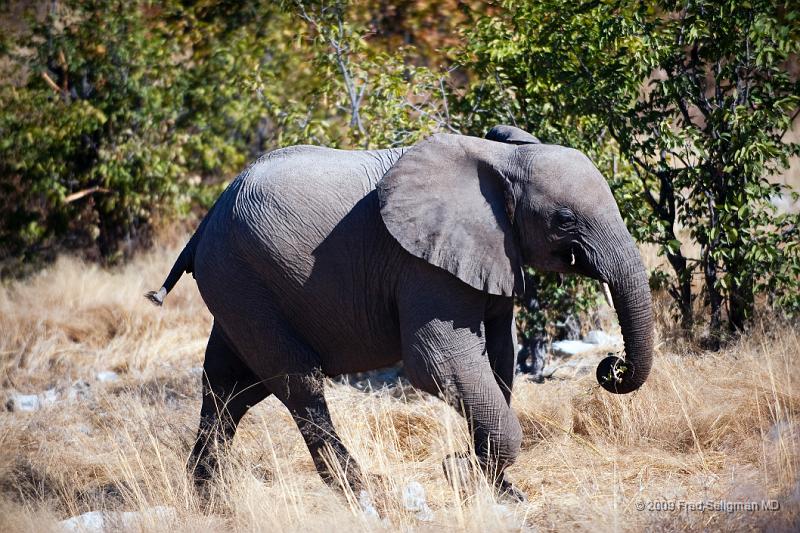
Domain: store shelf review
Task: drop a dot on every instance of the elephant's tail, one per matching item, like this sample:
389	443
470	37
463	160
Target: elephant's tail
184	264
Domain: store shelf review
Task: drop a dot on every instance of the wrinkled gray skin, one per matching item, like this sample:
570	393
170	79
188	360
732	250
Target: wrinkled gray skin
317	262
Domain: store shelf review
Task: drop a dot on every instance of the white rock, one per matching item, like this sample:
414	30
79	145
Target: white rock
98	522
567	348
107	375
85	523
414	501
31	402
365	502
25	403
601	338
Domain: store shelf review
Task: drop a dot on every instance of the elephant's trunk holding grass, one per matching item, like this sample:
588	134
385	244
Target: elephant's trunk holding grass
317	262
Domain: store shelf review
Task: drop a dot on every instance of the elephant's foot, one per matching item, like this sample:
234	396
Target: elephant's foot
201	474
204	490
462	473
507	491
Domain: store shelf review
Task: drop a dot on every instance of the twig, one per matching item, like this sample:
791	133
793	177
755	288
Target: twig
63	62
340	50
85	192
49	81
444	101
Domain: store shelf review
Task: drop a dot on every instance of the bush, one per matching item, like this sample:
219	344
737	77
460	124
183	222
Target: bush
125	112
684	107
87	142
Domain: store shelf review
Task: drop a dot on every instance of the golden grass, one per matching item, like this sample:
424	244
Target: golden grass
707	426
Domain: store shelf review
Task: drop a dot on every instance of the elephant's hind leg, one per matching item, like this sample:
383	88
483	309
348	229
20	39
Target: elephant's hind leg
230	388
305	399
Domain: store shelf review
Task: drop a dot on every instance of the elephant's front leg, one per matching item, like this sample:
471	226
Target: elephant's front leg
444	352
501	347
501	342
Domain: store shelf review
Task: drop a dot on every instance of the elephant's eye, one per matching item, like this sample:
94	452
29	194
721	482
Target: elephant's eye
564	218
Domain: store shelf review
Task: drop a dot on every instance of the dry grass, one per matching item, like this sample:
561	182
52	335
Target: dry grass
721	426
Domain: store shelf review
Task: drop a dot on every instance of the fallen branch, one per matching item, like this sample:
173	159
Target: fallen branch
85	192
51	83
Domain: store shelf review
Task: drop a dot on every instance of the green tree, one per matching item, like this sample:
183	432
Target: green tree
371	95
685	107
124	112
119	113
86	142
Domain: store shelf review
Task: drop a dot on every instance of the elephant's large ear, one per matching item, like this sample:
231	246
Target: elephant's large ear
447	202
511	135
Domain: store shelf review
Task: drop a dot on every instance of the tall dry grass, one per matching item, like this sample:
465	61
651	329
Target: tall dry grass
707	426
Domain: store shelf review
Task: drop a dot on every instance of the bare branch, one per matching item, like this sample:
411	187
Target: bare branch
444	100
85	192
51	83
340	50
63	62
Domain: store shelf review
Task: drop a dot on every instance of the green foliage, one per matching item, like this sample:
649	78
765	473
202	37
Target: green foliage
84	149
124	110
358	94
550	302
684	106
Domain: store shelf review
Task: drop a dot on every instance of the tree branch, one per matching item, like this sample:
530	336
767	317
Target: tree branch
85	192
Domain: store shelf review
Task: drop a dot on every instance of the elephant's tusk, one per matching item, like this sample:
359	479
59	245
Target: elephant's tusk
572	258
607	294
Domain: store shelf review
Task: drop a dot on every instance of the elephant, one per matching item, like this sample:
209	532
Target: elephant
318	262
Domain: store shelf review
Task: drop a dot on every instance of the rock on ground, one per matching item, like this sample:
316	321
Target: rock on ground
570	348
601	338
27	403
414	501
107	375
98	522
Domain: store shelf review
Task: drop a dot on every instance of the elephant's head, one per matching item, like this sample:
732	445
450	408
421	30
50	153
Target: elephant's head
483	208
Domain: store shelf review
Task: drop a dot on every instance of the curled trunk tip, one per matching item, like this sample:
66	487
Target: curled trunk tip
618	376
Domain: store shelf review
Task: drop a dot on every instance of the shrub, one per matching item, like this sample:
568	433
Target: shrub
124	112
684	106
87	141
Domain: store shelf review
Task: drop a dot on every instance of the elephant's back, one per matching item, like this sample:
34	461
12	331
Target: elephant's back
290	200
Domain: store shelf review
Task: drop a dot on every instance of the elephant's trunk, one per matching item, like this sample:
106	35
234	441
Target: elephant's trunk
630	292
